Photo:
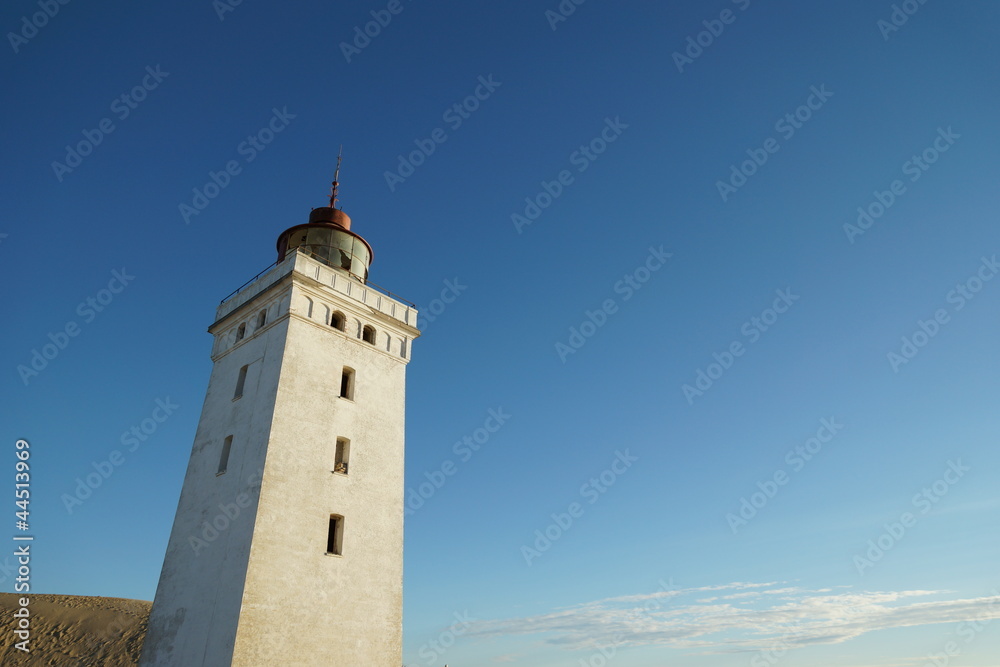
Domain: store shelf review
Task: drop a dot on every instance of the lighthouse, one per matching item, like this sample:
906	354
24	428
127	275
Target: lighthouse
287	544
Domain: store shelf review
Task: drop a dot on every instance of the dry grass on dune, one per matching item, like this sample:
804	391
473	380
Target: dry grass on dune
75	631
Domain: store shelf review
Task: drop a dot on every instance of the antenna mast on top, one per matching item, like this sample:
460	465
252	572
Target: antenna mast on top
336	177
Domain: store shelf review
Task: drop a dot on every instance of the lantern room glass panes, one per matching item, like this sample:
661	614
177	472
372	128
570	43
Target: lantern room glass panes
334	248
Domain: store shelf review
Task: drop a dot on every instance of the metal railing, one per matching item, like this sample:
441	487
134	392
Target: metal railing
310	254
247	283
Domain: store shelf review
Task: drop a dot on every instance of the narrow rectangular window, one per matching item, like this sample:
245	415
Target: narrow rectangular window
335	536
347	383
240	382
342	455
224	457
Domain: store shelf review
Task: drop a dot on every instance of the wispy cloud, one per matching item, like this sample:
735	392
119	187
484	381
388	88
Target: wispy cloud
742	617
507	657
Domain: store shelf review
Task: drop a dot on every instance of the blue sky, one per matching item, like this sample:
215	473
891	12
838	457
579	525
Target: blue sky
639	480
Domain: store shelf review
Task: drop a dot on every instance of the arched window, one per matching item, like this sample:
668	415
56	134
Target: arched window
227	446
240	382
335	536
261	319
241	332
342	456
338	320
368	334
347	383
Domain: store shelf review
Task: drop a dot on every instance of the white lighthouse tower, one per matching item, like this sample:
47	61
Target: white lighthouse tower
287	545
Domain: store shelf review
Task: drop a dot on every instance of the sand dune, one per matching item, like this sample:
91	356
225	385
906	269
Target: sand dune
75	631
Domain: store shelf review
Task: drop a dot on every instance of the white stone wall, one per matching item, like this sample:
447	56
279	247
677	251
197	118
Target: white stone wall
342	289
264	592
199	596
